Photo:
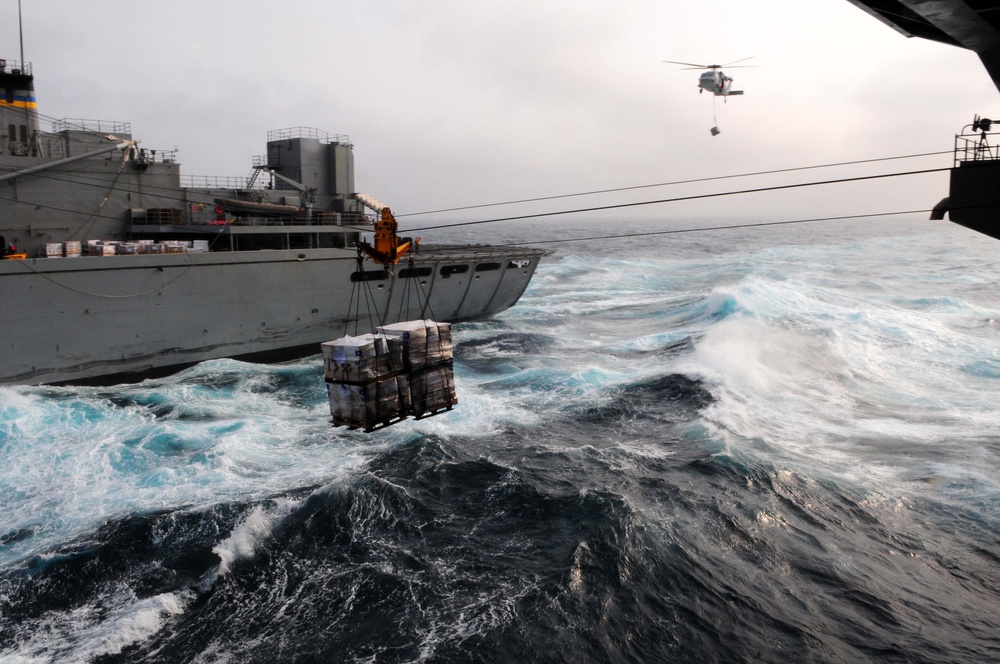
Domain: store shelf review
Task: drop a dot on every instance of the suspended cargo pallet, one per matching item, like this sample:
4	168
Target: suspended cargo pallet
376	380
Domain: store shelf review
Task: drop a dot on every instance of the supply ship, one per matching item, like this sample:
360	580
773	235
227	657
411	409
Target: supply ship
115	267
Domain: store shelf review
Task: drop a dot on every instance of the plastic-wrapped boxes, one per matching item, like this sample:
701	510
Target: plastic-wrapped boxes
99	248
426	343
132	247
369	405
427	356
361	359
375	380
432	390
364	376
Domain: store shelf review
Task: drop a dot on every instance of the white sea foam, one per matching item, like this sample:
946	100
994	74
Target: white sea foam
73	458
94	630
870	356
120	619
255	526
818	368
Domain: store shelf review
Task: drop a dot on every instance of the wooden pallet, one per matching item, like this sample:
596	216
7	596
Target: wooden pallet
435	411
368	426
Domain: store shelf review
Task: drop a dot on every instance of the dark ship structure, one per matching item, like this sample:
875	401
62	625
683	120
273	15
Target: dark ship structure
974	197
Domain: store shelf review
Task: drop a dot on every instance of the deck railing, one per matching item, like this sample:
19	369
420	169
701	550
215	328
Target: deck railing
14	67
306	132
219	182
972	146
101	126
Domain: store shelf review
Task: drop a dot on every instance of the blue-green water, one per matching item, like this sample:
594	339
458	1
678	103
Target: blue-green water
753	445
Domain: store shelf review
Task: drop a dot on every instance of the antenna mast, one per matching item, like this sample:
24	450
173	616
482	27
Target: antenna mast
20	31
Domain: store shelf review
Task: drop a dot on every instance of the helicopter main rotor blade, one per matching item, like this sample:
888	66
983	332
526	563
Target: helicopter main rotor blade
741	60
692	65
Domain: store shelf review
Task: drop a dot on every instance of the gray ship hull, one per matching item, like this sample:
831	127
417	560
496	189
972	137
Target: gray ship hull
95	319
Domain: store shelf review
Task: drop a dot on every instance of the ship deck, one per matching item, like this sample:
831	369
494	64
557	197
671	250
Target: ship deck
477	252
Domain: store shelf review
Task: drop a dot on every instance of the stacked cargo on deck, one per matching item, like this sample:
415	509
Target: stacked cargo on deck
123	248
375	380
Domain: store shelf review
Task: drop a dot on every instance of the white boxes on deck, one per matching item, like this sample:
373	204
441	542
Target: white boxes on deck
73	248
172	247
100	248
53	249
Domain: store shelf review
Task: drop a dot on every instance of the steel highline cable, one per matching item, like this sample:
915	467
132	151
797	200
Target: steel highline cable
676	182
723	228
677	199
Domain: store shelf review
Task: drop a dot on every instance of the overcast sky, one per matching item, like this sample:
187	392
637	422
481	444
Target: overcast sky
462	102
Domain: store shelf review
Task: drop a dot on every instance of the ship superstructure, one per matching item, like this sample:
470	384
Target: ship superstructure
118	266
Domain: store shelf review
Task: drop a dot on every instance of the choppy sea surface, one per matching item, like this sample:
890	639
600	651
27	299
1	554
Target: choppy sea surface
759	445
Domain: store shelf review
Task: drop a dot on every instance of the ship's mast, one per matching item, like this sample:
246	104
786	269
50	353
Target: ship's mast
20	40
20	29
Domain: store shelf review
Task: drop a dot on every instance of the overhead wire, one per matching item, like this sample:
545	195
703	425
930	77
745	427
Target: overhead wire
702	229
159	287
675	182
619	206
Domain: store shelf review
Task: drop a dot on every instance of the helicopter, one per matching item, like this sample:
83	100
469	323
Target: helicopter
714	80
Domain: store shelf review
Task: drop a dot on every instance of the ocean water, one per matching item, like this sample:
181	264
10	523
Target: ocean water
760	445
